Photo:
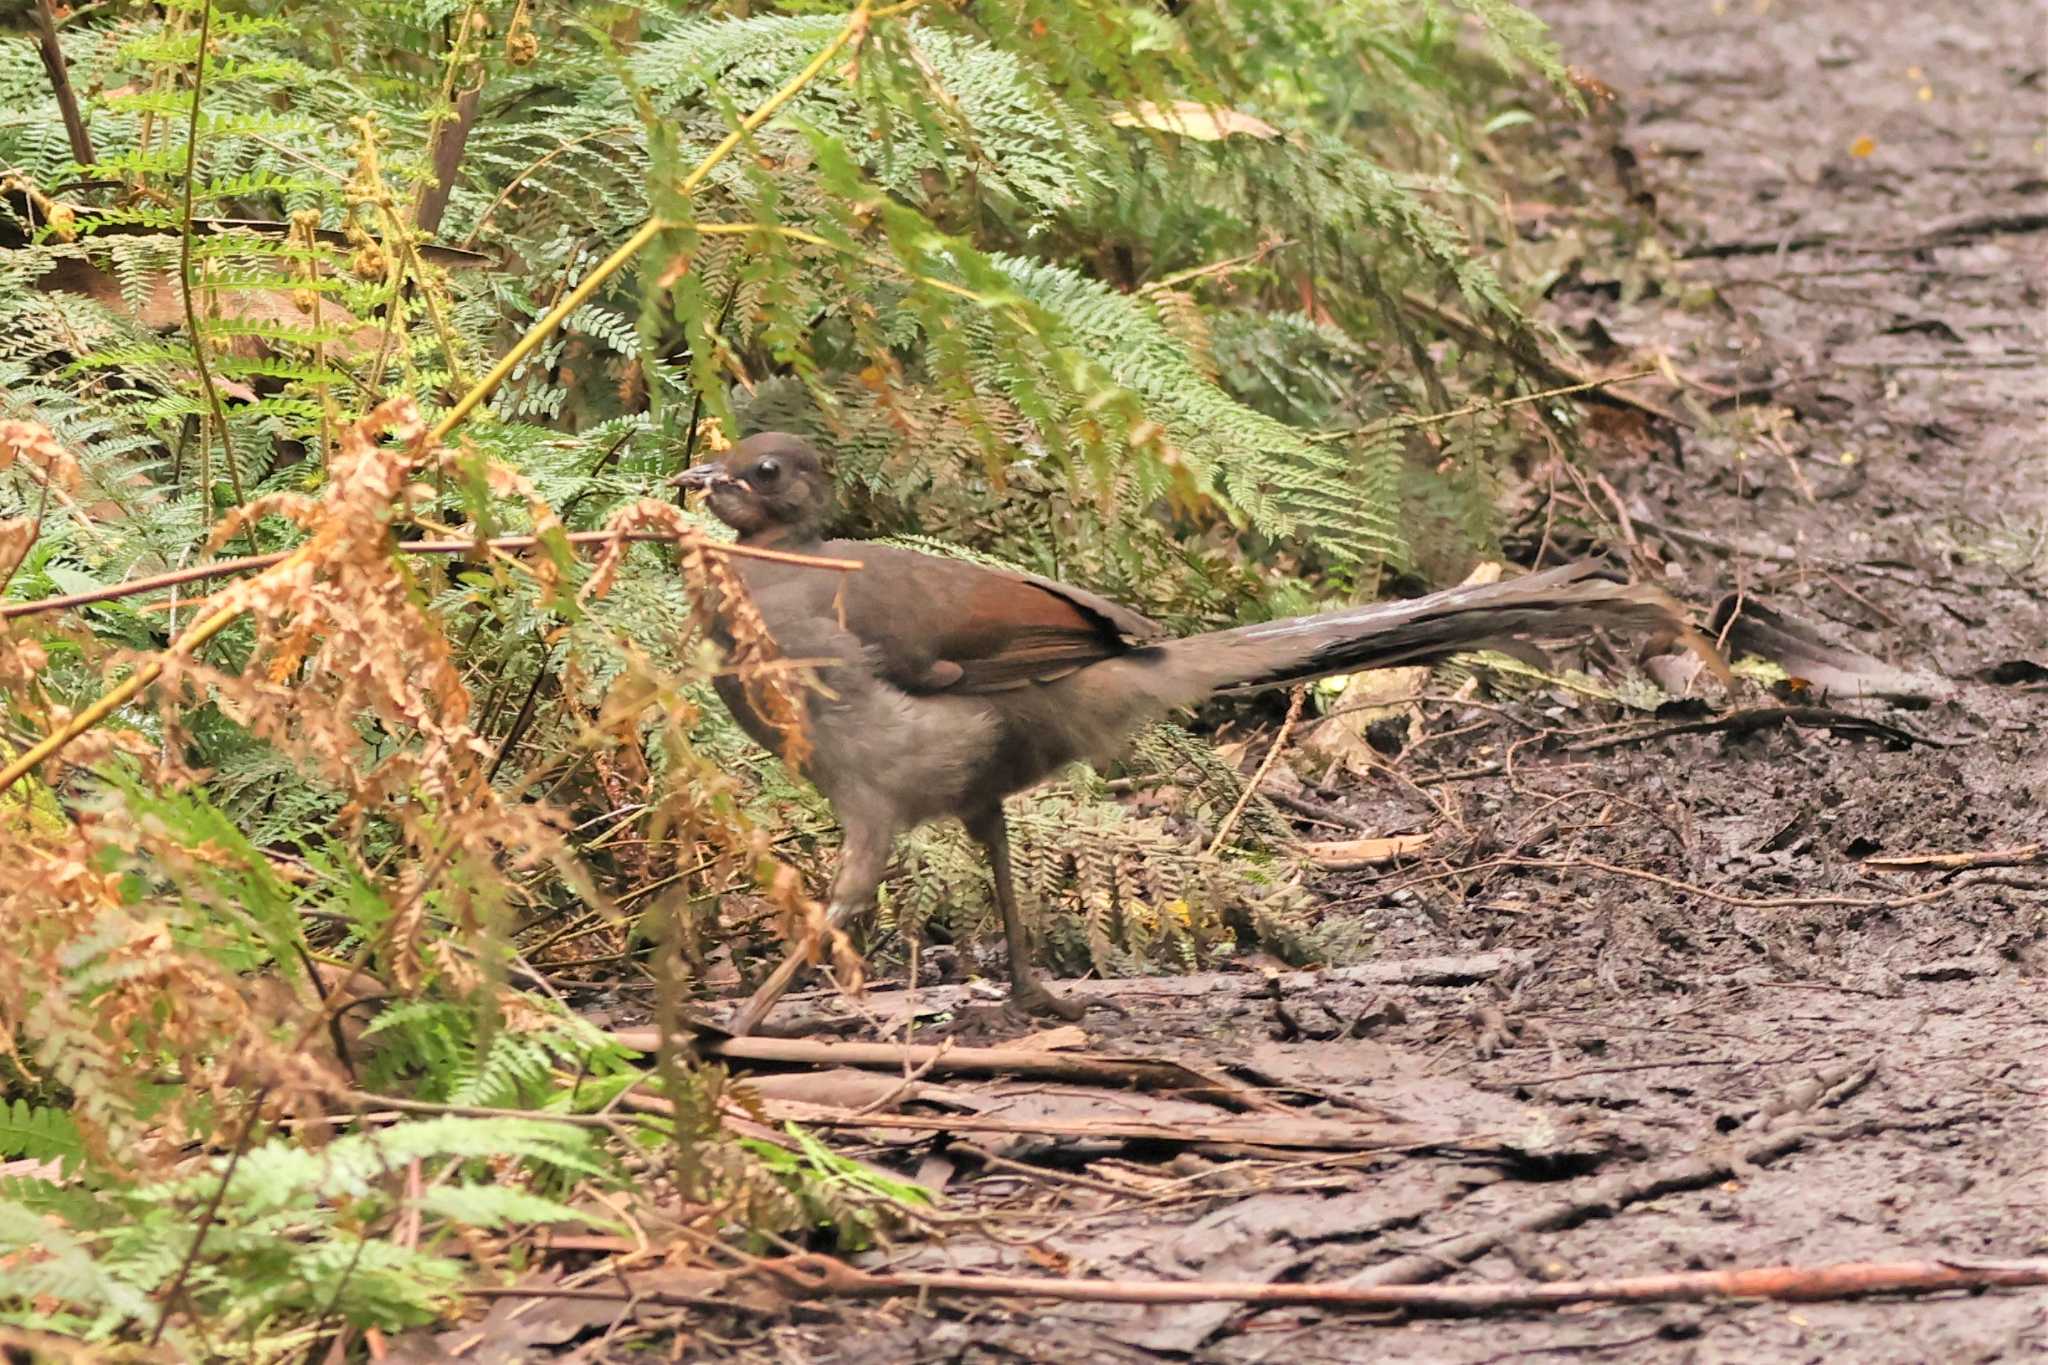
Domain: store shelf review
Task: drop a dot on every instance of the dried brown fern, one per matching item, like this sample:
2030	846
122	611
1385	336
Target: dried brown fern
719	598
111	963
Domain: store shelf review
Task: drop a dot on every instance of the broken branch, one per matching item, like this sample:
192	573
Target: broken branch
820	1275
1141	1073
2024	855
250	563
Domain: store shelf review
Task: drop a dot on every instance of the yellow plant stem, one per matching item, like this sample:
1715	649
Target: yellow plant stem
813	239
204	630
1430	419
186	289
856	24
123	692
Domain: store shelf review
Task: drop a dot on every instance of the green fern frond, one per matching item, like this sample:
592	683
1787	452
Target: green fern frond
40	1134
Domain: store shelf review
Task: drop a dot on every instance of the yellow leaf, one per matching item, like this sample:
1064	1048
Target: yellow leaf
1192	119
1368	850
1863	146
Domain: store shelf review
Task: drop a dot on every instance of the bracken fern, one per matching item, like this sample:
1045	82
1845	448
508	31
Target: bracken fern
366	843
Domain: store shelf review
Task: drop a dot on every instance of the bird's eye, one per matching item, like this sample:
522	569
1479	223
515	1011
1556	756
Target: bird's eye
768	471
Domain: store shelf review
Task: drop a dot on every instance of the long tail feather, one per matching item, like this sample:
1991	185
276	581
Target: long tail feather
1554	604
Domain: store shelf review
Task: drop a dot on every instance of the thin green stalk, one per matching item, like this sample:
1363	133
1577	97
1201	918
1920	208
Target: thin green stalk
185	238
856	25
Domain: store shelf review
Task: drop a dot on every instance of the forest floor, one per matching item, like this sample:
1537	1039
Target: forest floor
1652	1000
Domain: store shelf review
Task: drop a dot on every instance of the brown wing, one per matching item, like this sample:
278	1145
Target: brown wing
948	625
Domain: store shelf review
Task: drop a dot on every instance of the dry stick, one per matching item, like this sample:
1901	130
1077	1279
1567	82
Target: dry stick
505	194
1430	419
1251	788
732	296
1141	1073
1550	368
1464	969
1603	1197
990	1161
1757	718
2023	855
812	1276
1227	266
119	695
59	73
191	1257
367	1106
451	134
211	626
1727	897
813	239
1302	1135
911	1076
224	567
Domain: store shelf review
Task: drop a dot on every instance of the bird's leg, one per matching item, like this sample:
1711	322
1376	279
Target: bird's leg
1027	992
863	856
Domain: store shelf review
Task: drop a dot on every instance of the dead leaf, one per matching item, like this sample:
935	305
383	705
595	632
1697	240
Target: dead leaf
1367	699
840	1087
512	1330
162	308
1052	1039
1191	118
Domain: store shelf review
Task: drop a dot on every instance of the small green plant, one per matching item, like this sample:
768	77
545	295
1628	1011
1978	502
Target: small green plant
848	1201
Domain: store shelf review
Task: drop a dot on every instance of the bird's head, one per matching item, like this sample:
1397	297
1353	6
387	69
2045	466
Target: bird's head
770	487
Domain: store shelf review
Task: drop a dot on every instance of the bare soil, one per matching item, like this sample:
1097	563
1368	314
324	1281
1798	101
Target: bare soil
1831	220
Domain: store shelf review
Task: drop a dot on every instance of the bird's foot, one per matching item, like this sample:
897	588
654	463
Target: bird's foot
1028	995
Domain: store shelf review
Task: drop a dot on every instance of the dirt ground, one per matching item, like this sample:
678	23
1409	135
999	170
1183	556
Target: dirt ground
1655	954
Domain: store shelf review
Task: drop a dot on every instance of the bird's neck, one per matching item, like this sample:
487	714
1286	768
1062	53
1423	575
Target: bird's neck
791	536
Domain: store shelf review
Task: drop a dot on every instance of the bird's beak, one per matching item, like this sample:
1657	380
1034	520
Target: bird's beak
701	476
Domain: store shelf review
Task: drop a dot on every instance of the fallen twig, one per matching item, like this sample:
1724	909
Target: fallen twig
1758	246
1251	788
1982	223
1729	897
1142	1073
1301	1133
2025	855
1315	811
816	1276
1292	1133
1547	366
1606	1196
1592	384
888	1004
1755	718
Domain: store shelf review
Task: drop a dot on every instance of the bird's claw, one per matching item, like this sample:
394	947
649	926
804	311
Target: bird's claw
1028	995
